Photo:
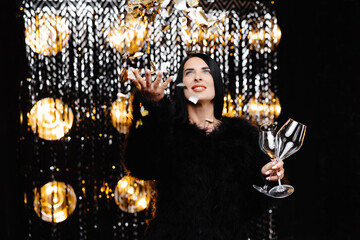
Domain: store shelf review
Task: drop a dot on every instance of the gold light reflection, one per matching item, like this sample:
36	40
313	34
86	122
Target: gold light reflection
229	109
121	113
132	195
198	36
50	118
55	201
105	190
47	34
261	39
264	109
128	38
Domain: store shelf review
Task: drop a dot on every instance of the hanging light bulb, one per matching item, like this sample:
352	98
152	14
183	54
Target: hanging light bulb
54	202
132	195
121	113
128	38
50	118
265	108
264	35
47	34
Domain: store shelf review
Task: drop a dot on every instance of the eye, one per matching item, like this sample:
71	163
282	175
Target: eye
206	71
187	73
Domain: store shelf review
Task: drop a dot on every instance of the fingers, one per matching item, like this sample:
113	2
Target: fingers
139	81
135	82
147	85
274	175
274	164
273	170
158	79
277	163
148	78
167	82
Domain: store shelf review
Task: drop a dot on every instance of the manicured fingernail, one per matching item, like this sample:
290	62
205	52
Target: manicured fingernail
268	178
278	173
268	172
147	71
274	167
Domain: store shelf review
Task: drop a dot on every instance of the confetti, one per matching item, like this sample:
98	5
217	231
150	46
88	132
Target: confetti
120	95
181	85
164	67
164	3
153	67
143	111
123	75
138	123
193	3
136	55
130	73
193	98
180	5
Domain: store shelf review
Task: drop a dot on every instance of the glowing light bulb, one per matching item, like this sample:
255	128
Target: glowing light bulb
54	202
50	119
47	34
261	40
132	195
128	38
121	114
265	108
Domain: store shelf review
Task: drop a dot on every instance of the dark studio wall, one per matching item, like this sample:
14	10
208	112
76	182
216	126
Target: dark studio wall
12	69
318	84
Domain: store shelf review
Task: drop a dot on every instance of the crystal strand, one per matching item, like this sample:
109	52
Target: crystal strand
237	44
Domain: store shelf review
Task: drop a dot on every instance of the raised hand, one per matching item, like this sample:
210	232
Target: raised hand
152	91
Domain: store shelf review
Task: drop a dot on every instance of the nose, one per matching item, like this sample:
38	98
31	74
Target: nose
198	77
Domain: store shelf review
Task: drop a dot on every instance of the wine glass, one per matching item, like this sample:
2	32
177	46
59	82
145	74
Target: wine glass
267	145
286	142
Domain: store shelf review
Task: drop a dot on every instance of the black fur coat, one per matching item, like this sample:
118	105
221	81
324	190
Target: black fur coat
204	181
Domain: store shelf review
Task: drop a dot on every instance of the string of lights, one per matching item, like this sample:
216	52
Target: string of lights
76	104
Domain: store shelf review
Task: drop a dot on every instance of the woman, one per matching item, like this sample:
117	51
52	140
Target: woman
204	164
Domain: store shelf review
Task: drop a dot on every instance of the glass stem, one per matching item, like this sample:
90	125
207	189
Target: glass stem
279	181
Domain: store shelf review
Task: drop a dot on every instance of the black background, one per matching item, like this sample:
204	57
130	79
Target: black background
318	84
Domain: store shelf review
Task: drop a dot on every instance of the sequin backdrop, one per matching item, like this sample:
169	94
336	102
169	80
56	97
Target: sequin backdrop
85	76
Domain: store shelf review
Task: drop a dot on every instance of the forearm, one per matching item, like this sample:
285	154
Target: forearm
148	144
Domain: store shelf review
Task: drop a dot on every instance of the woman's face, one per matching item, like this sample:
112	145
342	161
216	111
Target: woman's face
198	80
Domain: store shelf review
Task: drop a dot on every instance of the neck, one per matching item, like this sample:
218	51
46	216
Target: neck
202	115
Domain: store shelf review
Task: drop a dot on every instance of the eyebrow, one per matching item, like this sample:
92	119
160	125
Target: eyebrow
203	68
